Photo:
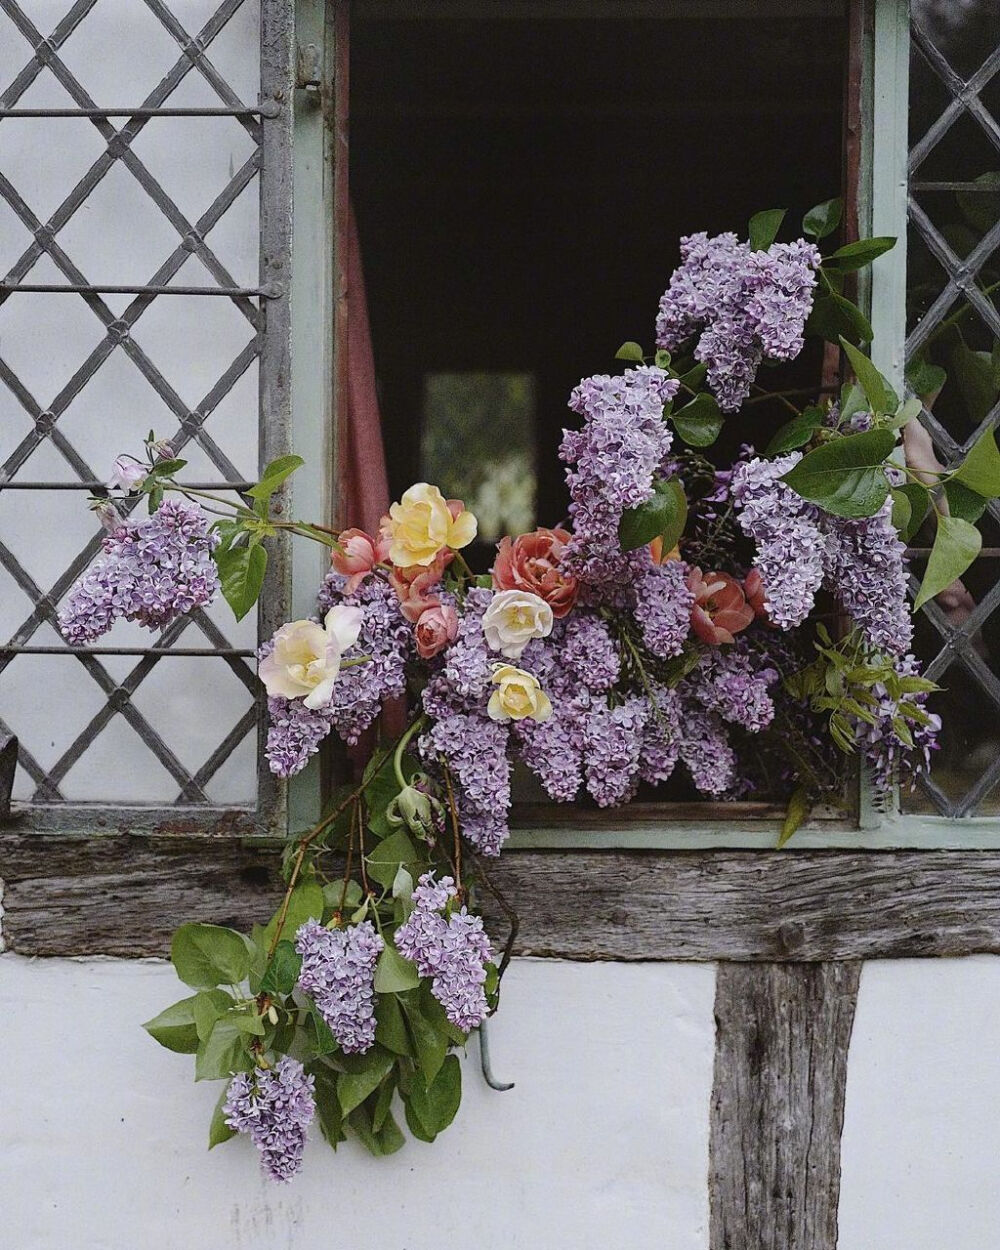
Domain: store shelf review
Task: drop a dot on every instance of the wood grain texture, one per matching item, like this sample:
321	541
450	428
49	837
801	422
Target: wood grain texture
782	1035
124	895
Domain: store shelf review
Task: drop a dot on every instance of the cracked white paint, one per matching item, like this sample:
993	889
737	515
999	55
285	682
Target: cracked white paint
603	1142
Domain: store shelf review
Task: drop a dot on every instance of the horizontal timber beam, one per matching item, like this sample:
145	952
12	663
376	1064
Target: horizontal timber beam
124	895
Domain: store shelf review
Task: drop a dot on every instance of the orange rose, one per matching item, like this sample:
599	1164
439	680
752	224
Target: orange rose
720	607
531	563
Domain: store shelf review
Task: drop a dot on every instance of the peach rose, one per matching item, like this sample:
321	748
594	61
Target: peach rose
436	628
720	607
359	555
415	585
753	588
659	555
531	563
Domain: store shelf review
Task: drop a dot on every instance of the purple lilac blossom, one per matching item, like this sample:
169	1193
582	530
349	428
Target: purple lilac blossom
791	549
884	752
554	750
274	1106
149	571
866	570
662	737
453	952
706	751
474	748
338	974
748	305
734	681
614	747
663	606
612	463
464	678
588	653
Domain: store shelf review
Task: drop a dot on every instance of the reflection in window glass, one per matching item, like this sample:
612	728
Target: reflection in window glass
953	353
478	445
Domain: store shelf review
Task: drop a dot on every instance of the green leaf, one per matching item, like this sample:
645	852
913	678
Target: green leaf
795	814
383	1102
354	1087
219	1131
435	1106
385	859
823	219
923	378
833	317
662	358
980	470
845	476
630	351
664	515
973	374
873	384
857	255
694	376
283	970
207	955
699	422
209	1006
241	574
905	413
764	227
917	498
175	1027
166	468
223	1052
390	1027
393	973
331	1119
430	1045
306	903
982	208
902	511
963	502
386	1141
797	432
274	475
956	545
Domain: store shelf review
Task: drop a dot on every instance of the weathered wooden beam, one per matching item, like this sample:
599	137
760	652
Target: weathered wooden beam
116	894
777	1113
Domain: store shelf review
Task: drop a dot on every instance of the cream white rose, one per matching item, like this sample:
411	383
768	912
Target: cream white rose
517	696
513	618
305	661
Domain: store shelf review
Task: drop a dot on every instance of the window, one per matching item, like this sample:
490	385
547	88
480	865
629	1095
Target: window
144	202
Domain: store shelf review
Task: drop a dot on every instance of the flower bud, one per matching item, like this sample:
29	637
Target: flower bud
415	809
272	1014
108	515
161	449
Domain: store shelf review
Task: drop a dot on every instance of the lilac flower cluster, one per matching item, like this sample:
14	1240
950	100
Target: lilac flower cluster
588	653
735	683
661	742
338	974
474	749
274	1106
149	571
614	746
748	305
663	605
453	952
612	462
887	756
800	548
707	752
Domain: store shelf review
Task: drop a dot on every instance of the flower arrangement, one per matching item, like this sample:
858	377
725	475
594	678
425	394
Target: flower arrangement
747	624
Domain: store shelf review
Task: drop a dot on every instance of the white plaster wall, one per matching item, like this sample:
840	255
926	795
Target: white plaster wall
604	1141
921	1145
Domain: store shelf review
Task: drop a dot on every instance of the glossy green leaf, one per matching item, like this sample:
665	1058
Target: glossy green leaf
824	219
209	1006
394	973
175	1027
917	504
973	375
219	1131
385	858
241	574
845	476
435	1106
873	384
429	1044
207	955
699	422
963	502
273	476
224	1051
858	255
386	1141
331	1118
797	432
956	545
902	510
283	971
306	903
664	515
661	358
980	470
354	1087
795	814
925	378
764	227
630	351
390	1027
834	317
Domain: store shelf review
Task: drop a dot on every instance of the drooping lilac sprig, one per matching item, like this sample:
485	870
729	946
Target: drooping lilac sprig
149	571
274	1107
453	952
663	605
866	571
889	758
474	749
748	305
735	682
338	974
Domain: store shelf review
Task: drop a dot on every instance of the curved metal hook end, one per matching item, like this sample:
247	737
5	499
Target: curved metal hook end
484	1062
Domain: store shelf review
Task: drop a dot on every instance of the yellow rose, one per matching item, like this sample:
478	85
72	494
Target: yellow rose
423	522
517	696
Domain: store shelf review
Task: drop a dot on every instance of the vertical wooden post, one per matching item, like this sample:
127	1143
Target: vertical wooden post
782	1033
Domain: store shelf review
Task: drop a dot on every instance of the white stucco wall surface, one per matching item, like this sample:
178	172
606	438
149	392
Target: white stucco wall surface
604	1141
922	1131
